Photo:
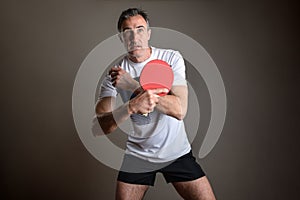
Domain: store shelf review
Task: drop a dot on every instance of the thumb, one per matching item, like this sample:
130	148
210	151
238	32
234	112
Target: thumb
161	90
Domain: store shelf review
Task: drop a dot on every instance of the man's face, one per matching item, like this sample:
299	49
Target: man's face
135	35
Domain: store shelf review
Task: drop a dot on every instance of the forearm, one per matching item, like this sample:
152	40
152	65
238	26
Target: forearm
173	105
109	120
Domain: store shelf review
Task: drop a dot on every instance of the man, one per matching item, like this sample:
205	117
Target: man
157	142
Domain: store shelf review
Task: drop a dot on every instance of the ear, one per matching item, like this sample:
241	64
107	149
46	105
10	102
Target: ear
149	34
120	37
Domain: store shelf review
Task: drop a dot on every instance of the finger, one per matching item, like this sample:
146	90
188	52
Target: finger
114	82
115	75
159	91
114	78
111	70
148	93
112	74
114	70
155	91
122	71
156	98
151	103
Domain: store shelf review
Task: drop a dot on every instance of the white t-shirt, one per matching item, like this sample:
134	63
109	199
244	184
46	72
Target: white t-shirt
157	137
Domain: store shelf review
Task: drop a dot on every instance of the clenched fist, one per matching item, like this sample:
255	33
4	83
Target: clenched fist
122	80
146	101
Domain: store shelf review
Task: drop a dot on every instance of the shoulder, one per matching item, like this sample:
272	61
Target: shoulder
169	55
166	51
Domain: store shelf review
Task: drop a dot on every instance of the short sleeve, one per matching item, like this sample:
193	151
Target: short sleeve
178	67
107	89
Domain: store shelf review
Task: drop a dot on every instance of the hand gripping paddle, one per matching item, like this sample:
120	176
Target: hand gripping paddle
157	74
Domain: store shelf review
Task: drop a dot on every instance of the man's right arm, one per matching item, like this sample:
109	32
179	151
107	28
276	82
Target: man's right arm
108	117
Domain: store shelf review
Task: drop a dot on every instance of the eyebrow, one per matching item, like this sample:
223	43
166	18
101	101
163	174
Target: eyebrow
140	26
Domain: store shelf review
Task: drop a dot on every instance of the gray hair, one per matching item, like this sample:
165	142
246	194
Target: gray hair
130	12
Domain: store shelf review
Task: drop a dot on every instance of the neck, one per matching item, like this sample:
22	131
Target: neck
141	58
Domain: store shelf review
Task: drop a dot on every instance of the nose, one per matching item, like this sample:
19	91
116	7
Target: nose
133	35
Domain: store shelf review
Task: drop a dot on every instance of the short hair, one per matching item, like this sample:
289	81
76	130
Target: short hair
130	12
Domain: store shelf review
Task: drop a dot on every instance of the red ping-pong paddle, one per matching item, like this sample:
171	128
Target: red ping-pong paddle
157	74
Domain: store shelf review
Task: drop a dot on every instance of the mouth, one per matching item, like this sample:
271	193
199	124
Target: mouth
134	48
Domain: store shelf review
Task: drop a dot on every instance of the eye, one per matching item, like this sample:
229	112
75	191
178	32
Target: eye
127	32
141	30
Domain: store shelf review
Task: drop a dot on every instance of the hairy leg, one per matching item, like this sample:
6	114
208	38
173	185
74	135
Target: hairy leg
126	191
198	189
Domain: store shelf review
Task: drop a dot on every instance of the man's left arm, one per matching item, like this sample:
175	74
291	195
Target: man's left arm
175	103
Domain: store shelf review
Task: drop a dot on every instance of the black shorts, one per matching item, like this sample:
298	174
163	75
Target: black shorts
185	168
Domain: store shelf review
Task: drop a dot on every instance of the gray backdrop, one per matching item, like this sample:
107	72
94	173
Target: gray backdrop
254	44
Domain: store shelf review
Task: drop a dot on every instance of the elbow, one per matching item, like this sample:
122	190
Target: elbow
181	110
108	131
180	115
105	129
